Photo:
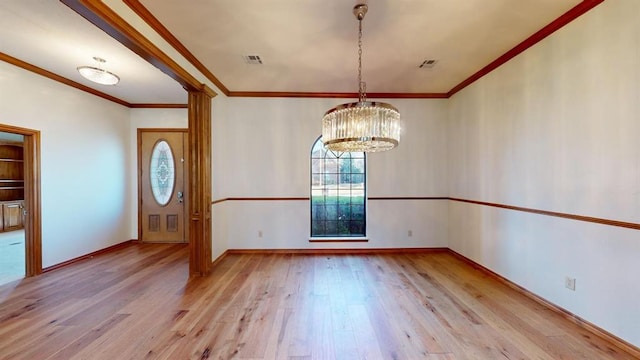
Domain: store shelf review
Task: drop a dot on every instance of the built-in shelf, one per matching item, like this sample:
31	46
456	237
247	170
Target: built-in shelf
11	185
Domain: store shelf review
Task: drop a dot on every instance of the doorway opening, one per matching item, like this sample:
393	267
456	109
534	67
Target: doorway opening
20	229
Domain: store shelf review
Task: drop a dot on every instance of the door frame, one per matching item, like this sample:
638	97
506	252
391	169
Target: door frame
32	198
185	177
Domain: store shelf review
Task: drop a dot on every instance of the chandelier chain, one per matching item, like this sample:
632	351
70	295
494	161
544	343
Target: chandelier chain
362	94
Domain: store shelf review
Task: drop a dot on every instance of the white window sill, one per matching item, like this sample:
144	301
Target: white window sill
338	239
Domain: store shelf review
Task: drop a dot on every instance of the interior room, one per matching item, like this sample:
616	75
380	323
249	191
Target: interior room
12	255
503	224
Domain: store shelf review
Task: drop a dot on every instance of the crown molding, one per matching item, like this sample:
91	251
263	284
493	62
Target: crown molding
103	17
107	20
330	95
55	77
572	14
157	26
554	26
158	106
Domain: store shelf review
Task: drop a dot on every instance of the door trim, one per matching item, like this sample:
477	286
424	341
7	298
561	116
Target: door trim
185	172
32	199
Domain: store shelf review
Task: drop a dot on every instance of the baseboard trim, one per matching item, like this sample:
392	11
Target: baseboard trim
337	251
90	255
594	329
215	262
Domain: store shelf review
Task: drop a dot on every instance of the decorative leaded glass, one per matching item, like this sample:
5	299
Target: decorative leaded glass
162	172
338	189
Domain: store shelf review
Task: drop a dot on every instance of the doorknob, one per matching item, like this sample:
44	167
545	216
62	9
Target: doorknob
180	197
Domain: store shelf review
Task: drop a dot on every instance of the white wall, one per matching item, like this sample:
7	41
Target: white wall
261	148
556	129
219	213
144	119
84	164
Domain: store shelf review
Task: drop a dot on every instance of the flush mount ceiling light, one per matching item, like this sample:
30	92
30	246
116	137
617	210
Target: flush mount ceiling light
364	125
97	74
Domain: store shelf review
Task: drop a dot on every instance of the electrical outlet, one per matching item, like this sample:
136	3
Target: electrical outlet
259	233
570	283
410	233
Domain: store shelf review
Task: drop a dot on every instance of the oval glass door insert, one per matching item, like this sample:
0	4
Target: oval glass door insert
162	173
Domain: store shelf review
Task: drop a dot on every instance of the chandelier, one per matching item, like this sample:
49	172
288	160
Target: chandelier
364	125
97	74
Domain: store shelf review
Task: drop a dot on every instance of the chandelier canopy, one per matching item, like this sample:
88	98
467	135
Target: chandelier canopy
364	125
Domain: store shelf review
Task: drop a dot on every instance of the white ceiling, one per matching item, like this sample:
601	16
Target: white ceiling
48	34
306	45
311	45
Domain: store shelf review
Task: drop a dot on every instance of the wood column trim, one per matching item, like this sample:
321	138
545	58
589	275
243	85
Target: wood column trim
199	180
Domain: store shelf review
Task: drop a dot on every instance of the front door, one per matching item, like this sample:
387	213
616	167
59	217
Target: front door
161	184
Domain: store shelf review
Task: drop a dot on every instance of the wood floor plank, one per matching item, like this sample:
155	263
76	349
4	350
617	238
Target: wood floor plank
87	338
494	312
415	335
139	303
487	290
365	334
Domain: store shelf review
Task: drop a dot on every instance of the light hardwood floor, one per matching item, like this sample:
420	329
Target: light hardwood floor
12	259
138	303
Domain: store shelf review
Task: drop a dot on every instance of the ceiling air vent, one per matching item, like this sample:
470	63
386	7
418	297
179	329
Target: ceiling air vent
428	64
252	59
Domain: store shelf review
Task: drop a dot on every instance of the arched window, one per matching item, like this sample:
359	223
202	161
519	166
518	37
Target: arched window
338	193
